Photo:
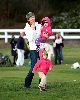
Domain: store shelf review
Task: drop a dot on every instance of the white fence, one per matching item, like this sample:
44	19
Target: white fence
62	31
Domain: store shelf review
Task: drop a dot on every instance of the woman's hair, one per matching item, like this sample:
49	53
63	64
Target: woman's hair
58	35
28	22
30	14
55	36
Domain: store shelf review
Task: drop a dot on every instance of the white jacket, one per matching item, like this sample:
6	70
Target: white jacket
31	34
58	41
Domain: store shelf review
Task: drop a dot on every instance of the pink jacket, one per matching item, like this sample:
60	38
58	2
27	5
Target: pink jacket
44	65
47	29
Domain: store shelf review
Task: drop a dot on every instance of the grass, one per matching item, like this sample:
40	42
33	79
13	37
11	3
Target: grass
63	82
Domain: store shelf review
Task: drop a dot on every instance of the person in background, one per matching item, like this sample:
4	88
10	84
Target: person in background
32	31
61	47
57	48
20	50
44	66
13	43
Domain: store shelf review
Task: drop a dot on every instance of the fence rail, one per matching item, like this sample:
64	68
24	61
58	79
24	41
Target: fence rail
6	36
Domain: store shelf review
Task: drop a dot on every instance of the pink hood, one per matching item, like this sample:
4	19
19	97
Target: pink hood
46	19
46	29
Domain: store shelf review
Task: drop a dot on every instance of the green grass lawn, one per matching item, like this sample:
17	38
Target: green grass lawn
63	82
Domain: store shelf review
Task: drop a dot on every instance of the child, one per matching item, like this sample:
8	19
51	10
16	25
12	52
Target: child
49	50
44	66
46	31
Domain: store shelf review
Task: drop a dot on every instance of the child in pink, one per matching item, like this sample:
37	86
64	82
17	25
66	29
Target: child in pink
46	31
44	66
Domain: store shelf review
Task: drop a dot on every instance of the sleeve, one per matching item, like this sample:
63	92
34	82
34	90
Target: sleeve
28	32
60	40
36	65
50	65
29	35
49	31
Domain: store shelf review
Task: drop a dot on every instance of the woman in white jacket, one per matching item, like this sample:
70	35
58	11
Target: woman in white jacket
32	31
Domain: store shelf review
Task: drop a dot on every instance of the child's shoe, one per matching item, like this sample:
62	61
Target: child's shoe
44	89
40	88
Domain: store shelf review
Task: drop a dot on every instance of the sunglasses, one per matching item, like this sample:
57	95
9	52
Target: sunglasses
45	22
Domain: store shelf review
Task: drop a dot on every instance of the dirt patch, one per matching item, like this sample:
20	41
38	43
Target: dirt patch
72	43
4	45
67	43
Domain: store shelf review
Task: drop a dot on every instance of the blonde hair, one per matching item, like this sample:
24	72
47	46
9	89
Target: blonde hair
45	53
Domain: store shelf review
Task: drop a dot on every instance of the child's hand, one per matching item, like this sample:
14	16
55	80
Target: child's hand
32	72
50	68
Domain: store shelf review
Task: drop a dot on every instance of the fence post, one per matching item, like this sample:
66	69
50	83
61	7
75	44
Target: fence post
6	37
62	33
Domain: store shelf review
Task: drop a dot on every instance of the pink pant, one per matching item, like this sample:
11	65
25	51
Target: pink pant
43	79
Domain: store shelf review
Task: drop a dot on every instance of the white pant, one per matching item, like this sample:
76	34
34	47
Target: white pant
20	59
43	79
48	48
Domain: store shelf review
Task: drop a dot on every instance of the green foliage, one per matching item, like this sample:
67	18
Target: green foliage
67	20
14	11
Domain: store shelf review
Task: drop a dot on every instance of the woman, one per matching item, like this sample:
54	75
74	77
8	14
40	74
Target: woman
20	50
32	31
57	48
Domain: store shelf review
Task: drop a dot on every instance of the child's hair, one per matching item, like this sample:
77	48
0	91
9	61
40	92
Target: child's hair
44	53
